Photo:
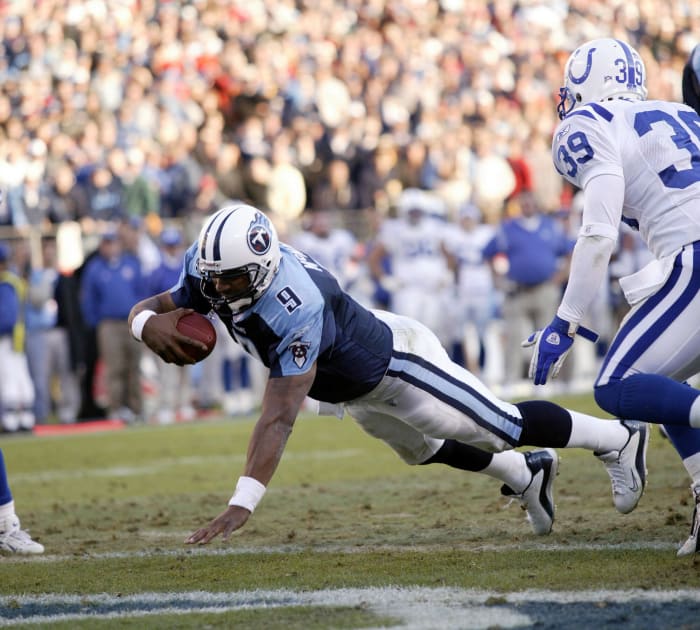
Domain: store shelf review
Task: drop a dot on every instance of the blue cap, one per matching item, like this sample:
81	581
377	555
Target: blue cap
170	236
110	233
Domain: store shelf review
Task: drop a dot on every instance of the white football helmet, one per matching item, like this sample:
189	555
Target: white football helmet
602	70
238	240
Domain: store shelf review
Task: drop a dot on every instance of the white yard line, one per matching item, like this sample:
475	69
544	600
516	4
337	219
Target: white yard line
414	608
186	550
160	465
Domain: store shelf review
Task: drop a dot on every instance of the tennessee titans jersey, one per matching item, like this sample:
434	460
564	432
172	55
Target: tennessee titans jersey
303	317
655	146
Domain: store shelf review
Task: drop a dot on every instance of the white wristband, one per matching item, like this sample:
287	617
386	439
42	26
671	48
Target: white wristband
139	322
248	493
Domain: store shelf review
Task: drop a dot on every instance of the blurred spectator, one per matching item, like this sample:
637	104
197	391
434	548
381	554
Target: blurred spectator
174	381
104	195
228	172
111	284
16	389
64	197
494	180
336	191
522	170
141	197
413	165
48	345
135	241
28	202
180	178
535	250
377	173
286	190
87	351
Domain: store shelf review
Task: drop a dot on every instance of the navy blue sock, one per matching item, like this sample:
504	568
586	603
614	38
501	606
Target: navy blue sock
462	456
648	397
544	424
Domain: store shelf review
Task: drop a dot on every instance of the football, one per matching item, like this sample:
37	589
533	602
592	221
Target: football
198	327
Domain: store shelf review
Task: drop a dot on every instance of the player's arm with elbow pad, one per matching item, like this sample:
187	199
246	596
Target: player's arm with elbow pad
602	210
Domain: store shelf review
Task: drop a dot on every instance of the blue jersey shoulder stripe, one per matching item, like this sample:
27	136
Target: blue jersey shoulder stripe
581	112
598	109
601	111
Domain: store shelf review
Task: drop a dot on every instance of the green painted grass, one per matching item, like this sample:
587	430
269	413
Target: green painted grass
342	511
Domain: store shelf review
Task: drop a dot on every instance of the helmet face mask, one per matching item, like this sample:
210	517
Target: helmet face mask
602	70
237	242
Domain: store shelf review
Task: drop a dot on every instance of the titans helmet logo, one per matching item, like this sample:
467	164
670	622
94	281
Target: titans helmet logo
299	350
259	236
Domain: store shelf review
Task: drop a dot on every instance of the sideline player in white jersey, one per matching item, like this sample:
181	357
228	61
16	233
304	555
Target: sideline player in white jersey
637	161
331	246
388	372
420	272
475	293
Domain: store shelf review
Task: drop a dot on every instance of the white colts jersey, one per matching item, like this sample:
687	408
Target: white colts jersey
655	146
416	252
333	252
475	276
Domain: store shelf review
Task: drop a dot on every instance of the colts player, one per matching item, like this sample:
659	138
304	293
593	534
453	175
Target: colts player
637	161
389	373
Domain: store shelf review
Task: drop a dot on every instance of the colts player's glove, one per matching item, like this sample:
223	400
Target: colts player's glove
552	344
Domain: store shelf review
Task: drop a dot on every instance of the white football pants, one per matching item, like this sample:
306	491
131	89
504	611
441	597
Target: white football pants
661	335
425	398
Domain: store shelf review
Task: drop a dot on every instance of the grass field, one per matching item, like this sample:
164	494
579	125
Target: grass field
346	537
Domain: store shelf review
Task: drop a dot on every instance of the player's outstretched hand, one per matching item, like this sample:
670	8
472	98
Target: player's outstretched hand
231	519
161	335
551	347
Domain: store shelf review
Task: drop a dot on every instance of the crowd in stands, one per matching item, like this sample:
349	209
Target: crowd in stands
152	114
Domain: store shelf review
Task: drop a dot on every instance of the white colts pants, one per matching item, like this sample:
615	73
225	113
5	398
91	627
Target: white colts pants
16	388
425	398
661	335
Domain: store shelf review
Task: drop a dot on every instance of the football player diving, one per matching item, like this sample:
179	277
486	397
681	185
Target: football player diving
388	372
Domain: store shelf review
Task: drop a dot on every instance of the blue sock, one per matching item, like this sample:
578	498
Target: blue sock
686	440
227	374
244	372
648	397
5	494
